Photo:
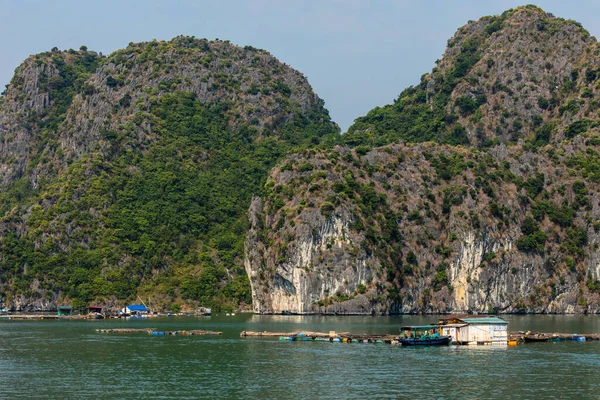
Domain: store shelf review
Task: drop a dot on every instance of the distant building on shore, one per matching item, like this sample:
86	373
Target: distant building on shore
64	311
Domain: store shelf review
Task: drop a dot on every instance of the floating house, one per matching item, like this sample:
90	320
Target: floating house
64	311
475	329
134	309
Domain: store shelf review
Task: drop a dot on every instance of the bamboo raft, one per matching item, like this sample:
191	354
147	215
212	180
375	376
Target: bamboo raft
155	332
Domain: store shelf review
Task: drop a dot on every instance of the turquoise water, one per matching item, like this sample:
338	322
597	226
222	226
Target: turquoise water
68	359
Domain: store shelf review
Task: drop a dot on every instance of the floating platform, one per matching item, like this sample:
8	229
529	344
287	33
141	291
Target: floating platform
530	337
321	336
155	332
126	330
41	316
514	338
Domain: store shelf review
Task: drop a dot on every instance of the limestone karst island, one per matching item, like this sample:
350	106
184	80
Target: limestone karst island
189	173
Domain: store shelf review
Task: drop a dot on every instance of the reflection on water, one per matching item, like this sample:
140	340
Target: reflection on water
68	359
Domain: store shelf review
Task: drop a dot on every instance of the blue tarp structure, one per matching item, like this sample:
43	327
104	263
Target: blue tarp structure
137	307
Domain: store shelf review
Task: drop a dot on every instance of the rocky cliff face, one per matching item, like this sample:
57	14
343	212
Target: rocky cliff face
426	228
315	266
31	107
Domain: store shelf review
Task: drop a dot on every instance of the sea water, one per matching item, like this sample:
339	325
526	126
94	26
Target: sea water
68	359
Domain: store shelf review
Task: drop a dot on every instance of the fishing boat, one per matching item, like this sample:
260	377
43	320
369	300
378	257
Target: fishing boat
422	335
536	337
95	315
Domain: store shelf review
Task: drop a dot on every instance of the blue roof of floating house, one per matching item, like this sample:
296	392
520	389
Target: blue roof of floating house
137	307
474	319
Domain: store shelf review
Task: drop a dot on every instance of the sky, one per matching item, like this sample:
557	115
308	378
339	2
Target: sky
356	54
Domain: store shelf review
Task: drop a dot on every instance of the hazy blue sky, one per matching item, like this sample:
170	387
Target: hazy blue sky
357	54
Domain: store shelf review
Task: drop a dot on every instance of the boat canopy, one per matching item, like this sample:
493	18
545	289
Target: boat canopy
417	327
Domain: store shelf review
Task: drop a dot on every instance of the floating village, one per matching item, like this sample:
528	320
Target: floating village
468	329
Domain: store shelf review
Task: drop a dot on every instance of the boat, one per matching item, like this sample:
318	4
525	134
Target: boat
422	335
95	315
536	337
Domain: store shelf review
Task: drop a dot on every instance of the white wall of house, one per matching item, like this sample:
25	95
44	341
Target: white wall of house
474	333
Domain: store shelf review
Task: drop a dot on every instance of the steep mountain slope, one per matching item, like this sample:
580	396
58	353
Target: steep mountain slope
131	174
510	223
